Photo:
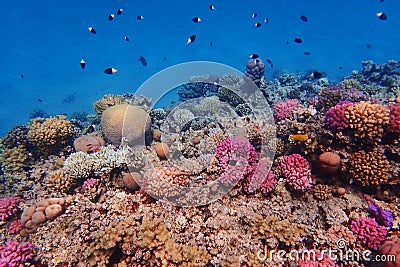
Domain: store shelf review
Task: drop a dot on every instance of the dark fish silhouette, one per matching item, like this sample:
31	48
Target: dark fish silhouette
91	129
254	56
368	45
316	75
211	43
92	30
196	19
381	16
298	40
165	58
119	12
307	53
40	100
110	70
83	63
191	39
303	18
269	61
258	24
287	42
266	20
211	7
111	17
341	67
140	17
127	38
143	61
254	15
22	75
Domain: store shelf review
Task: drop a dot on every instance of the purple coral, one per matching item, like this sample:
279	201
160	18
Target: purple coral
236	151
15	254
9	207
283	109
89	183
296	170
335	118
383	217
368	231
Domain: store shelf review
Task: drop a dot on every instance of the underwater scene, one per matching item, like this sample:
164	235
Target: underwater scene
200	133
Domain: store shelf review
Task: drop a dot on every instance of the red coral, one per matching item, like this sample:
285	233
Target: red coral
296	170
368	231
394	121
15	227
335	118
9	207
283	109
314	258
15	254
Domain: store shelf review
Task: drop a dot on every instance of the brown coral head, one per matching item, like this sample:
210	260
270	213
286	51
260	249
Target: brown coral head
88	143
53	211
391	248
162	150
328	162
131	180
38	217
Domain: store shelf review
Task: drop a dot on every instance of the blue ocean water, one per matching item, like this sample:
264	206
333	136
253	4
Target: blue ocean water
45	40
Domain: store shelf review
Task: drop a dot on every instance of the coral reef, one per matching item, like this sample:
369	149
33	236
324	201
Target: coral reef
42	211
9	207
391	248
335	116
107	101
283	109
14	159
89	143
255	69
394	119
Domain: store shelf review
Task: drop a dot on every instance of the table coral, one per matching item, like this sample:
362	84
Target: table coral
9	207
52	134
296	169
15	254
369	168
369	232
367	120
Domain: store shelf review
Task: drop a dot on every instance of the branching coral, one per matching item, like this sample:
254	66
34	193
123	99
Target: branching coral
8	207
14	159
335	116
60	180
367	120
283	109
52	134
369	232
296	169
394	121
18	136
369	168
14	253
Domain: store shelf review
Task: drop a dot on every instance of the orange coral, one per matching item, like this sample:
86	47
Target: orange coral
165	181
367	120
369	168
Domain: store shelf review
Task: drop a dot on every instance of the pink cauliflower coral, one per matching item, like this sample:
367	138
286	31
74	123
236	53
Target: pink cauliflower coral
335	118
283	109
89	183
15	227
368	231
296	170
394	120
15	254
236	151
313	258
9	207
263	180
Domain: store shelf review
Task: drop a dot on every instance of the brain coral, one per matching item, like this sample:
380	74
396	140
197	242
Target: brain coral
369	168
367	120
124	121
296	170
51	134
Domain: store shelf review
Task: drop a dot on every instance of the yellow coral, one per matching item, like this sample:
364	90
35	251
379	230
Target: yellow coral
51	134
369	168
367	120
14	159
60	180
